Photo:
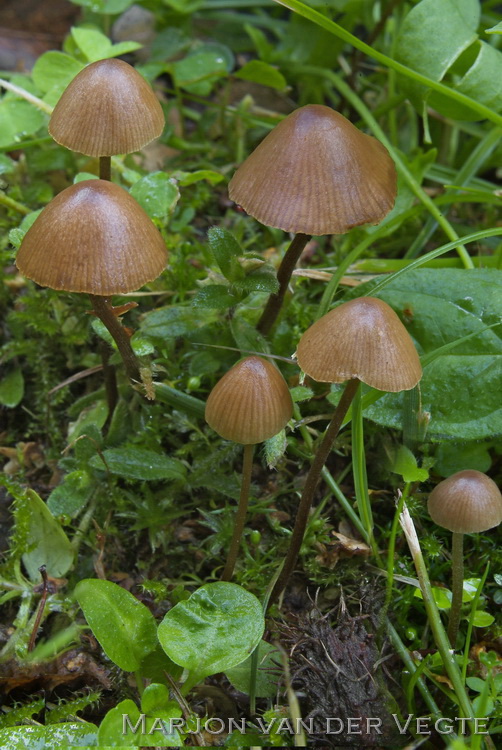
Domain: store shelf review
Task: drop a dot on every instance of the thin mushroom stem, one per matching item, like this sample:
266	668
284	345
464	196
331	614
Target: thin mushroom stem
457	586
103	309
311	483
242	508
105	168
288	264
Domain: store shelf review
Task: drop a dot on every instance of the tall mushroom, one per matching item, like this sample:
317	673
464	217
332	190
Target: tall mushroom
107	109
95	238
315	173
250	404
464	503
362	340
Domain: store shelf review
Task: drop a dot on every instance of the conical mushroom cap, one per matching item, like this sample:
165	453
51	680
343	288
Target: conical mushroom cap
250	403
466	502
93	237
315	173
364	339
107	109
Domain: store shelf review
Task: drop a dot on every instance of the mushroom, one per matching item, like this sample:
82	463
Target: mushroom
315	173
250	404
94	238
464	503
107	109
362	340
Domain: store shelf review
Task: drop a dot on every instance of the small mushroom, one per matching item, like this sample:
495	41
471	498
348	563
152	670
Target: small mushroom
362	340
94	238
465	503
315	173
107	109
250	404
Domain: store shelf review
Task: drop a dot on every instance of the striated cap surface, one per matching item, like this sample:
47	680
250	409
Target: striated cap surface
107	109
466	502
316	173
364	339
93	237
250	403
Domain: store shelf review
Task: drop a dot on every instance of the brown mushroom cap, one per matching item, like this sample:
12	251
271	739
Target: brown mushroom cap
93	237
364	339
250	403
107	109
466	502
316	173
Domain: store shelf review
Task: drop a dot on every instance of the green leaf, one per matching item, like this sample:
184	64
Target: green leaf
173	322
226	251
301	393
47	544
18	118
497	29
442	597
111	730
157	194
453	457
12	388
189	178
216	296
198	71
124	627
214	630
262	279
469	588
260	72
16	235
267	676
92	43
460	390
438	39
69	497
405	464
52	73
138	463
475	683
482	619
274	448
55	736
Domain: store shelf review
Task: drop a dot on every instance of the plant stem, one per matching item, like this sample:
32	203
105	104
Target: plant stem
105	168
310	486
457	586
103	309
288	263
240	519
433	617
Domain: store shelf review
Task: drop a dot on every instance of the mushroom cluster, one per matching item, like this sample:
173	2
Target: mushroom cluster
94	237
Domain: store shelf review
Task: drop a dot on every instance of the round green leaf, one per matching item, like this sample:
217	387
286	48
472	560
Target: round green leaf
124	627
212	631
482	619
12	388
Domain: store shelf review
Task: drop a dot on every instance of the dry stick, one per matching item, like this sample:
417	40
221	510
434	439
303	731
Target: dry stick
41	607
310	486
240	518
103	309
288	264
457	586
